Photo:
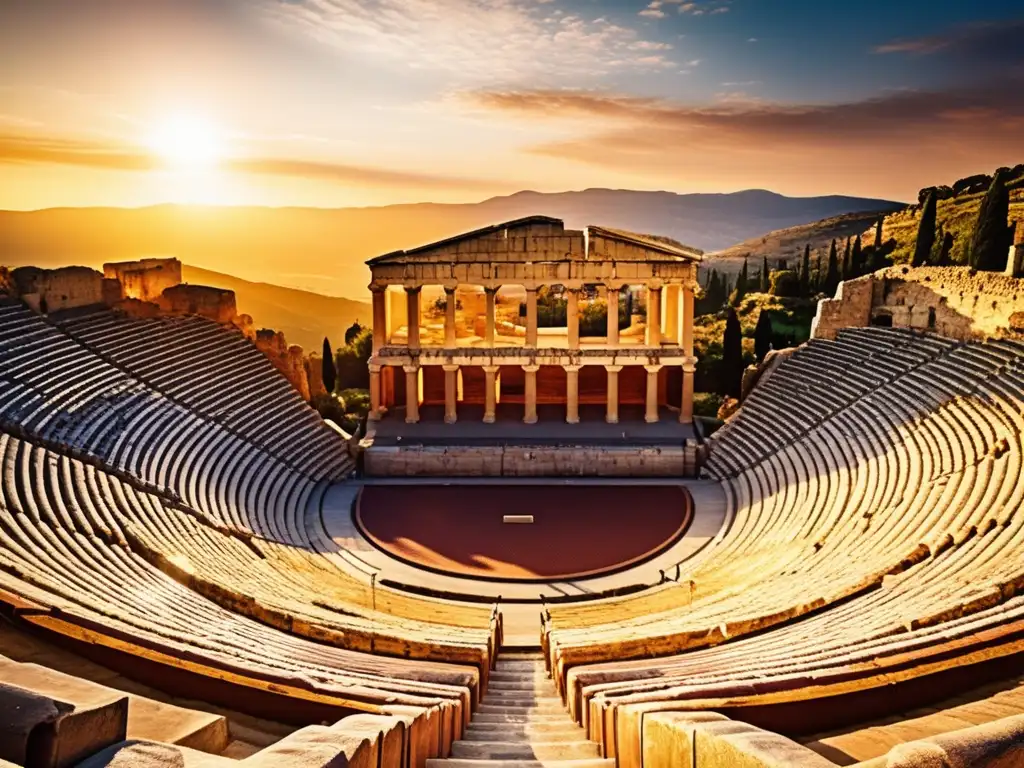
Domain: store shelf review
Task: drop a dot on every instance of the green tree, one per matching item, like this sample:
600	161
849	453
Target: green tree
741	286
765	276
351	362
785	284
992	236
857	259
763	336
353	330
732	355
844	271
328	370
925	232
805	273
831	282
878	234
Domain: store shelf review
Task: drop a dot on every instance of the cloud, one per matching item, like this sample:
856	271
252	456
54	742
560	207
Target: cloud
469	41
702	8
979	127
977	47
43	150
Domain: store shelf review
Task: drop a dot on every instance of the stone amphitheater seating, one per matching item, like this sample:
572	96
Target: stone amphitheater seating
160	504
139	516
882	515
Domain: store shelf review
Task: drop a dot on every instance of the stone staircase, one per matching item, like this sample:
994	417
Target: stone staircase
521	723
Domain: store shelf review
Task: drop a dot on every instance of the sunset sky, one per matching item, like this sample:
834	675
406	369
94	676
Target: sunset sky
367	102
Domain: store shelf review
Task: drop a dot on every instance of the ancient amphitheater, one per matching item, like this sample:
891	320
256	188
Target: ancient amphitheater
192	575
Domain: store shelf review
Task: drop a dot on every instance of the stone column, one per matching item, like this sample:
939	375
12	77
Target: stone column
380	318
670	294
572	394
572	317
412	393
375	409
651	414
530	411
451	373
412	321
531	317
690	364
489	332
613	318
653	316
612	412
449	318
490	380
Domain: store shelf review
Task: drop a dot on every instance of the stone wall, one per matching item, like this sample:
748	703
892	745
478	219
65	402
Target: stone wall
957	302
288	360
315	375
850	308
53	290
215	304
529	461
145	279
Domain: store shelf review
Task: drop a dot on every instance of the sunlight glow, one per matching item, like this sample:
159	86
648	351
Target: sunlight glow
186	141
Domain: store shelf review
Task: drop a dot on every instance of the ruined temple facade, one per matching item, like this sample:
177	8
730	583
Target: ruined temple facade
477	319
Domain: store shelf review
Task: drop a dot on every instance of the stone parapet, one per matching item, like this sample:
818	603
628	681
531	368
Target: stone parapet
528	461
145	279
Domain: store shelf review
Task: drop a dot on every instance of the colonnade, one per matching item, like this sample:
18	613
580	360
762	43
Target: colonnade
670	307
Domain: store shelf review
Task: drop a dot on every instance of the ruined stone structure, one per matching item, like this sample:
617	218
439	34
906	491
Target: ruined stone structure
145	279
488	345
287	359
152	288
956	302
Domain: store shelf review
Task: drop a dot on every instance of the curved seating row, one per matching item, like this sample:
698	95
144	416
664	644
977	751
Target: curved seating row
880	540
221	375
59	550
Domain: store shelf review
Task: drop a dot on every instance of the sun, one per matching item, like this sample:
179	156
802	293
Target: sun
186	141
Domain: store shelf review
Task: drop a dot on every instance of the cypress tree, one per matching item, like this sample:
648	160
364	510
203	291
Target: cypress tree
878	234
327	367
832	276
991	240
763	336
856	259
925	232
819	276
947	246
732	356
805	276
845	270
766	285
741	285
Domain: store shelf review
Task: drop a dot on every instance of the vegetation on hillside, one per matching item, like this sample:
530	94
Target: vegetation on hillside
956	213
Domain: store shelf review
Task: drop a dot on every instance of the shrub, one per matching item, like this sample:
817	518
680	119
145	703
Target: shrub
357	401
785	283
707	404
329	407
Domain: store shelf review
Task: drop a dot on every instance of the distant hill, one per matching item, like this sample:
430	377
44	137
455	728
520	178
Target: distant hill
788	243
956	215
324	250
303	316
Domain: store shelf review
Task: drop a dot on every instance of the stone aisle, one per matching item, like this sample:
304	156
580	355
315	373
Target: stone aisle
521	723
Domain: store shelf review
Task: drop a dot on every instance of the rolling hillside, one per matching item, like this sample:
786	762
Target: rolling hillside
303	316
324	250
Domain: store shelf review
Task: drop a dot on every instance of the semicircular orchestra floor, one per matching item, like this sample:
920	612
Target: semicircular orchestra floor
578	530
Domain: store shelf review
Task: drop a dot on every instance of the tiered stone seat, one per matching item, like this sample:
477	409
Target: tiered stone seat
221	375
875	539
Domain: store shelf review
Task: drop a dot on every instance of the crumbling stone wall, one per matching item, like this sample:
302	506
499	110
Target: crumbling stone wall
215	304
957	302
52	290
851	308
315	375
145	279
289	360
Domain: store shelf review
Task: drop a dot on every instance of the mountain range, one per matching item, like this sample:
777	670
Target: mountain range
324	250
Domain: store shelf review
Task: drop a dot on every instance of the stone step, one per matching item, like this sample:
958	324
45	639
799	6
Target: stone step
514	708
564	726
506	732
521	718
517	750
471	763
537	678
548	697
520	666
520	685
